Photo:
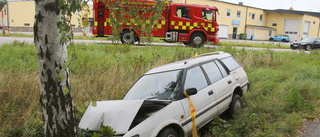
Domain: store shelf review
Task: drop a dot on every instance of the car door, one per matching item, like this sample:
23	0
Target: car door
223	88
195	78
317	43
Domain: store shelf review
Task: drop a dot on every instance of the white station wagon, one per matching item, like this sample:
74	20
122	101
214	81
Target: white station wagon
157	106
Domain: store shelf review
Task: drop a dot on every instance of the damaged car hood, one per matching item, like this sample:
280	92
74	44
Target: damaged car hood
117	114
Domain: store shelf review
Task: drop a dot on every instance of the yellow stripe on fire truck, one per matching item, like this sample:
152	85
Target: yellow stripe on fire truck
189	26
108	20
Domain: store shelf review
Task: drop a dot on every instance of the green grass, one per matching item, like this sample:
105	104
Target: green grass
284	86
245	43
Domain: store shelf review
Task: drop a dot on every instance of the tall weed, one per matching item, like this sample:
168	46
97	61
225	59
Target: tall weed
106	72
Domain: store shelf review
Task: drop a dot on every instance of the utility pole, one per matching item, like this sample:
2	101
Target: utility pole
8	19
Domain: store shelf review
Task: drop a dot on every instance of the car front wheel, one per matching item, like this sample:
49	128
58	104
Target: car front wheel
168	132
271	39
308	48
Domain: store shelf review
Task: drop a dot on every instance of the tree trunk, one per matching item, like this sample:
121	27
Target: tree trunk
57	108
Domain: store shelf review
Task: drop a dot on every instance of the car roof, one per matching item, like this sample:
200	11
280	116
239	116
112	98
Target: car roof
183	64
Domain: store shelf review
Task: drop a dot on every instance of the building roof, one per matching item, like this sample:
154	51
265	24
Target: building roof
262	27
316	14
239	4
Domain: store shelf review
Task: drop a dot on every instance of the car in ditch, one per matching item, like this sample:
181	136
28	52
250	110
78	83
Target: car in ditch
283	38
307	44
156	105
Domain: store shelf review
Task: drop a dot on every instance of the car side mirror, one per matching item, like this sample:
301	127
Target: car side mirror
191	91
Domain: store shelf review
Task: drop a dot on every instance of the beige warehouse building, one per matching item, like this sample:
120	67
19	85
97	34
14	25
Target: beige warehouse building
235	20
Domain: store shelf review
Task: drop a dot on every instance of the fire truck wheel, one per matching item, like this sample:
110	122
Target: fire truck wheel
197	40
127	37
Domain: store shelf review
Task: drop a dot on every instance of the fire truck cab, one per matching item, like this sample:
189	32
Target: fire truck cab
188	23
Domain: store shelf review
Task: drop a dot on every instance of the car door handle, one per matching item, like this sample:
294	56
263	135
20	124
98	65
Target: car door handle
210	92
229	82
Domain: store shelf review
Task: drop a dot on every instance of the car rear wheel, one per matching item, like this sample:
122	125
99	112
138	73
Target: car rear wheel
235	106
284	40
308	48
168	132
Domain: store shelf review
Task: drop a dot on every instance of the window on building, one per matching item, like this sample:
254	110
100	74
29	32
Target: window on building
228	12
274	24
239	14
26	24
261	17
314	22
183	12
253	16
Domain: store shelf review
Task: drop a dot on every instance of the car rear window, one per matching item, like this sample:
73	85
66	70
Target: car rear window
231	63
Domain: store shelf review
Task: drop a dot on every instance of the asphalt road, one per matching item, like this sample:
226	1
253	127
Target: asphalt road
312	128
4	40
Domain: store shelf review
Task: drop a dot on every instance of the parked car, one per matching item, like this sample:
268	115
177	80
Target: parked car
307	44
283	38
156	105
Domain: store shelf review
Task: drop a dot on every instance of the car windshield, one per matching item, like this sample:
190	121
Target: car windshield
308	40
161	86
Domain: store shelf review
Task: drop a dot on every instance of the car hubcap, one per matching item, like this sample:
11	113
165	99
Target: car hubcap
197	40
171	135
308	47
237	107
127	37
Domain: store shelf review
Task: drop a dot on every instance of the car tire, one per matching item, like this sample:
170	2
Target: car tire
271	39
235	106
284	40
127	37
308	48
168	132
197	40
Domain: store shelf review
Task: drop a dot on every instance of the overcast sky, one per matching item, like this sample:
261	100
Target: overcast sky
302	5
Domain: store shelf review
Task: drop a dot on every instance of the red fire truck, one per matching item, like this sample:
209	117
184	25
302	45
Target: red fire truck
188	23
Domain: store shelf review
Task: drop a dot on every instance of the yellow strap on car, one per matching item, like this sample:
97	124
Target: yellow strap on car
193	116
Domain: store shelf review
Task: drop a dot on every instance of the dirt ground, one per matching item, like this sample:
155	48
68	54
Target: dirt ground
312	129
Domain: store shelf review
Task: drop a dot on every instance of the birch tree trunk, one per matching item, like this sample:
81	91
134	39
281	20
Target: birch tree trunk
57	108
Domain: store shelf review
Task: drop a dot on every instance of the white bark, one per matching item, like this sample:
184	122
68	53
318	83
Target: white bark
57	108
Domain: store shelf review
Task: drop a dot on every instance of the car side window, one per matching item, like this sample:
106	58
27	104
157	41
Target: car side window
195	79
231	63
222	69
182	12
212	71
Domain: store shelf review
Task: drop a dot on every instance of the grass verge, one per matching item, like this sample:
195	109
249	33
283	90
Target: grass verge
284	90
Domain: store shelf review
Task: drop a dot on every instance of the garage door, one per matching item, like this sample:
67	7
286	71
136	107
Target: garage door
223	31
291	28
306	29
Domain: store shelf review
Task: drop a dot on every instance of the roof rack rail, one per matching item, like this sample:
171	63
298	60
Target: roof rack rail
207	54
